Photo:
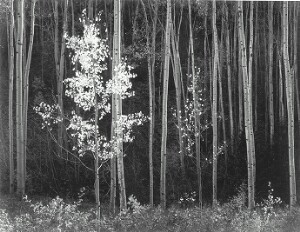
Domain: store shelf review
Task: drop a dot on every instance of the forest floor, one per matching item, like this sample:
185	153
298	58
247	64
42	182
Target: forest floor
59	215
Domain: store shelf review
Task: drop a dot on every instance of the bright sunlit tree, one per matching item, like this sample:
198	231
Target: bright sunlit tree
92	93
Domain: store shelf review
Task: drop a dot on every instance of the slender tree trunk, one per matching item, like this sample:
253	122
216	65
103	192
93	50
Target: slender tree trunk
118	105
270	48
256	62
96	166
113	160
229	82
19	100
152	99
247	99
177	82
60	69
26	81
250	109
151	70
290	105
10	107
296	78
215	103
165	108
4	100
281	100
196	108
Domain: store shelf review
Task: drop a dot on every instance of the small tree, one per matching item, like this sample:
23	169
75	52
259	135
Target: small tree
91	93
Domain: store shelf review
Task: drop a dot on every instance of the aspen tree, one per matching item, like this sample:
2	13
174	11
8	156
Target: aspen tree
280	89
10	97
240	95
19	100
113	160
296	78
117	105
96	164
221	99
177	81
270	49
290	104
256	58
295	40
229	82
247	77
250	94
165	108
151	83
196	108
215	103
236	91
152	99
59	58
26	79
4	74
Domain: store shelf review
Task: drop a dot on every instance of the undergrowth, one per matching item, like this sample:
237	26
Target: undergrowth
57	215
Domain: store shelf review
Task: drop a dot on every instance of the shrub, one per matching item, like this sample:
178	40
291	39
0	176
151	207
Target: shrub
5	223
55	216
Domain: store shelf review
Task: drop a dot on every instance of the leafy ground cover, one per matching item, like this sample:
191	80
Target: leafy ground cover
59	215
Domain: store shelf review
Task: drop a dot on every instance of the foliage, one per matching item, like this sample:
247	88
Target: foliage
57	215
187	200
90	92
54	216
5	223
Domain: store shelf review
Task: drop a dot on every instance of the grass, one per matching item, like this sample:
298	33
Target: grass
57	215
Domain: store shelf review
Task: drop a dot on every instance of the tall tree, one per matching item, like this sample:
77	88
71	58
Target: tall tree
196	106
26	78
4	73
178	83
295	68
247	83
215	102
270	49
59	58
151	83
19	100
290	103
165	108
229	82
117	104
10	106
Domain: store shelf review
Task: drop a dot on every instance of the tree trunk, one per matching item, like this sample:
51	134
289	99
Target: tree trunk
229	82
113	160
296	95
118	105
4	99
256	62
177	82
26	80
10	106
290	105
151	82
96	166
215	104
250	109
270	48
165	108
247	98
152	99
19	101
60	69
